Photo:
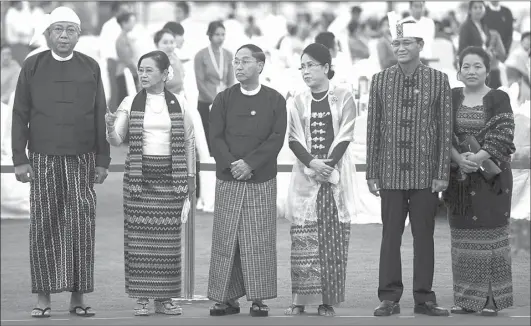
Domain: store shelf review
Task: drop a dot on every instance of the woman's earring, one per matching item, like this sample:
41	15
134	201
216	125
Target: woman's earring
458	78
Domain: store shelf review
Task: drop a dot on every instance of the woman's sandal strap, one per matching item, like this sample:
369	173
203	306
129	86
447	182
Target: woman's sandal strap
85	311
292	308
42	312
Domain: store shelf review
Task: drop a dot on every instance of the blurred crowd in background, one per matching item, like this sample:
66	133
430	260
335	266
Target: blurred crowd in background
356	33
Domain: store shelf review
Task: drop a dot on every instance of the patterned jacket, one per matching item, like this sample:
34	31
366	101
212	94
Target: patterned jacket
409	128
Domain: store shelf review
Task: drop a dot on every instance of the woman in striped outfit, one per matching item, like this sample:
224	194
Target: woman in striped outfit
159	175
479	205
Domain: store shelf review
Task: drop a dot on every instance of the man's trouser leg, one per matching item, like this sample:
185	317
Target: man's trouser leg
422	210
394	213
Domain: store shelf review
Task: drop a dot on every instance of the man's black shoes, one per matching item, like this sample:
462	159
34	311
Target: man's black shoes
431	308
387	308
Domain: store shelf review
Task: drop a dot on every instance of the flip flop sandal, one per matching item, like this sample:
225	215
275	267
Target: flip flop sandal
41	313
259	310
489	312
217	310
81	312
326	311
143	310
167	308
294	310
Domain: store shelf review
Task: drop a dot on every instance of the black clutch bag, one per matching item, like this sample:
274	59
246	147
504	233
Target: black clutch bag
488	168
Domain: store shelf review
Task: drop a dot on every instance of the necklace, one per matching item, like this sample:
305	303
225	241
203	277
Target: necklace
322	98
160	108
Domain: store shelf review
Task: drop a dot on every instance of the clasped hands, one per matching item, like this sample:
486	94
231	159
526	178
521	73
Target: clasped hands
240	170
323	170
469	162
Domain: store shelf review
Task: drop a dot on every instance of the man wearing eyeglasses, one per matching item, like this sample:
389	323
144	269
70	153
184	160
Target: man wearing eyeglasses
247	128
409	129
59	115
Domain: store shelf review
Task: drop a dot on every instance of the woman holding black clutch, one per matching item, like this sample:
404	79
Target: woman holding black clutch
480	189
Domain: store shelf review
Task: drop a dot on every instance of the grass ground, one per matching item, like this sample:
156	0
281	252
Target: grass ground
109	296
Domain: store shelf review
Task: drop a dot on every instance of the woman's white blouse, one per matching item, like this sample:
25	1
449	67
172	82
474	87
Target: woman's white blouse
157	128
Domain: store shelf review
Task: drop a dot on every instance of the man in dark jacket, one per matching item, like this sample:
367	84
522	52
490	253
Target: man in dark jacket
500	18
59	116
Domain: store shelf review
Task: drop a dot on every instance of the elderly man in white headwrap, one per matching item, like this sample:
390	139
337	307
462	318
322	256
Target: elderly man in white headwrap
409	129
59	116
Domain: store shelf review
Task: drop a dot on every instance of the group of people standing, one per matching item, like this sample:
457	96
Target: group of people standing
417	129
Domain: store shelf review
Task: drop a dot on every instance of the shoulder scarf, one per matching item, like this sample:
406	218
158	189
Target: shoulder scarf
178	154
497	136
303	189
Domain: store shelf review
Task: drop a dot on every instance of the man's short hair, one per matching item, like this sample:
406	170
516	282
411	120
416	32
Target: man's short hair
184	6
356	10
175	27
124	18
256	52
327	39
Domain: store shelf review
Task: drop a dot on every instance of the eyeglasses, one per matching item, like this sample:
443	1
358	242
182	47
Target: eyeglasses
310	66
243	62
70	31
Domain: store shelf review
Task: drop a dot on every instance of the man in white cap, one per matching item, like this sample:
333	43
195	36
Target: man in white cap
409	128
59	115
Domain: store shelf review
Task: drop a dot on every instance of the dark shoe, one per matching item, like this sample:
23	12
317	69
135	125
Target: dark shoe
431	308
220	309
387	308
461	311
259	309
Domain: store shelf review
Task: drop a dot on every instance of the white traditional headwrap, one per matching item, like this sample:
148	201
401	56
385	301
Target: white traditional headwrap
59	14
401	28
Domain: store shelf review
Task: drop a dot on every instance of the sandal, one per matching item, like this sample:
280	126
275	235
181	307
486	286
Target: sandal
326	310
461	311
82	312
167	307
41	313
294	310
142	311
224	309
258	309
489	312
